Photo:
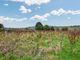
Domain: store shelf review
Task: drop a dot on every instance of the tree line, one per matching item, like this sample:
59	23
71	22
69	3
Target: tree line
40	26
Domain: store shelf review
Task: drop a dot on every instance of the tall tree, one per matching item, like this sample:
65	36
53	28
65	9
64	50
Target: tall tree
39	26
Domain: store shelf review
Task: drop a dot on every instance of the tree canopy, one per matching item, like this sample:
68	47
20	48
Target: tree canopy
46	27
39	26
1	27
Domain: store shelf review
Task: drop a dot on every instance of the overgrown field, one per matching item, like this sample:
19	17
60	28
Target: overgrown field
40	45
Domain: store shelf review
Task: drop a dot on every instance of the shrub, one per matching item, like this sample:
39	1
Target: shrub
65	29
46	27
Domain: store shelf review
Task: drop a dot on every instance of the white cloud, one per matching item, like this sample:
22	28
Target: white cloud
74	12
10	19
61	11
46	15
58	12
1	19
5	4
24	10
32	2
15	19
38	17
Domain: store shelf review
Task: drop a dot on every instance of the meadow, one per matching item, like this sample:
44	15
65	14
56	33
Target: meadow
40	45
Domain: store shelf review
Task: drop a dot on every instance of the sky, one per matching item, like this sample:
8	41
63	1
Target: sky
26	13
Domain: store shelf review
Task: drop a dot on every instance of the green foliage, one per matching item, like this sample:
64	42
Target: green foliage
46	27
39	26
11	56
39	45
52	28
26	58
1	27
1	56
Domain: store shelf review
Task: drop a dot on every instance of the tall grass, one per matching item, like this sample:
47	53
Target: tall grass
40	45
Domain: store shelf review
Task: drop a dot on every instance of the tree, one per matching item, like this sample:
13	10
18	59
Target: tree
52	28
39	26
46	27
1	27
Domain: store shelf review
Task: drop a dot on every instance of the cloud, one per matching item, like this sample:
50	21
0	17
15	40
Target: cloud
24	10
73	12
32	2
58	12
43	17
1	19
46	15
5	4
38	17
61	11
10	19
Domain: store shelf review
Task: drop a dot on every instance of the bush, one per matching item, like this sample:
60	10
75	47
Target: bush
65	29
46	27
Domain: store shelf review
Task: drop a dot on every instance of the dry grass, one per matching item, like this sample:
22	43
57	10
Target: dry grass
38	45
